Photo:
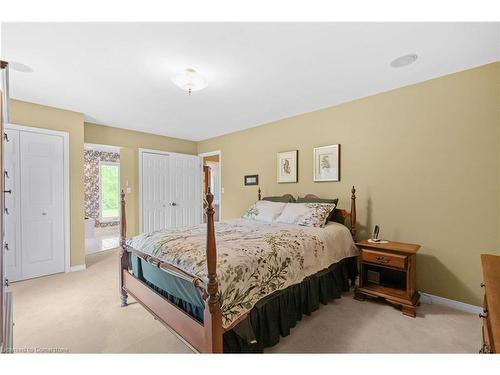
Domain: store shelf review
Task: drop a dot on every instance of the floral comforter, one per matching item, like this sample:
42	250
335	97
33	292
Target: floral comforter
254	259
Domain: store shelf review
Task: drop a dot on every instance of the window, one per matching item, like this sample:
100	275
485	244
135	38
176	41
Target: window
110	191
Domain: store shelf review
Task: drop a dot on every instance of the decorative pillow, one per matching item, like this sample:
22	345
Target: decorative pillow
321	200
264	211
307	214
284	199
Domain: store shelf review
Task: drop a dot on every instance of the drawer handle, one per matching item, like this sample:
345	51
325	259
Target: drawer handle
482	285
382	259
483	316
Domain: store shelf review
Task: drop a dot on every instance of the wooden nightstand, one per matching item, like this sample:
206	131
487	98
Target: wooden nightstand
388	270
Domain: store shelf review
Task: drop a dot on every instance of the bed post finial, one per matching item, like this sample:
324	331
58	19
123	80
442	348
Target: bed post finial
124	255
259	191
353	213
213	317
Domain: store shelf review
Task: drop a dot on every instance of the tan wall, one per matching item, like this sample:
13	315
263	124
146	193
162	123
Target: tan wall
39	116
424	159
130	142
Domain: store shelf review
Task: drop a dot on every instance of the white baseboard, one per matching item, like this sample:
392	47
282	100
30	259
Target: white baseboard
431	299
80	267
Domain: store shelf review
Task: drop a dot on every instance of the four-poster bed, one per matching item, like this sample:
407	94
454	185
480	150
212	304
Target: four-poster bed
190	305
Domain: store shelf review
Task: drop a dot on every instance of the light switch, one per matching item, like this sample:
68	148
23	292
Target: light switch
222	190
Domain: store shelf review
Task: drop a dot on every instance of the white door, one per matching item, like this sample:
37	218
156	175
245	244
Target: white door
171	190
42	204
185	190
12	217
155	188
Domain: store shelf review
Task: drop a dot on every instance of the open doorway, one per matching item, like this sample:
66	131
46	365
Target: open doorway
102	197
212	179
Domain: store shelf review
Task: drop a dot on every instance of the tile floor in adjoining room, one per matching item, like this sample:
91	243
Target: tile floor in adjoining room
103	239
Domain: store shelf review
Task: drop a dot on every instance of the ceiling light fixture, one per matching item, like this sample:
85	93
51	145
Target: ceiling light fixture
190	80
404	60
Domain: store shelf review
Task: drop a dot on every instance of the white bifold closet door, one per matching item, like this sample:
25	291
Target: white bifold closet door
34	220
155	192
171	190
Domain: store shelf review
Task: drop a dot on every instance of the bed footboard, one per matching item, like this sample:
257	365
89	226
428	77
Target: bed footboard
206	337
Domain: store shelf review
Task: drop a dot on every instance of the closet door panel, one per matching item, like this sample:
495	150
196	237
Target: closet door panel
186	190
42	204
155	192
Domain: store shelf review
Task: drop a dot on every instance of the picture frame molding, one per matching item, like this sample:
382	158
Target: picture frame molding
256	176
315	177
278	166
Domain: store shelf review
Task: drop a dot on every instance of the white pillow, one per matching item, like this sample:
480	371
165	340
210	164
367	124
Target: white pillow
264	211
307	214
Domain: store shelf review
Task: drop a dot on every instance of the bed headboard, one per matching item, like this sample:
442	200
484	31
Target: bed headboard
340	215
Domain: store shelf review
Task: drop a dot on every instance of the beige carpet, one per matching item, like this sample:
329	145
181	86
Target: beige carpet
80	312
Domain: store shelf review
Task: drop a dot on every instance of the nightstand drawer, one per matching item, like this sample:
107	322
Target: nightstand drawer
383	258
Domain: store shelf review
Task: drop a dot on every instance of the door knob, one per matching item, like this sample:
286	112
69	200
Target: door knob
8	191
174	204
6	246
44	213
6	174
6	137
6	211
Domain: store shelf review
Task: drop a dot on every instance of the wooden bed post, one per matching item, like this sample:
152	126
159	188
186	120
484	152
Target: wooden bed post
213	316
353	213
259	191
124	255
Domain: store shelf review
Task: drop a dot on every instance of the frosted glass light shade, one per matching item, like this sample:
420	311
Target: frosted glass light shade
190	80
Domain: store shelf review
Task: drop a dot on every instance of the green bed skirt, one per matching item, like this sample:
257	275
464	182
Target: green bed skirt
271	317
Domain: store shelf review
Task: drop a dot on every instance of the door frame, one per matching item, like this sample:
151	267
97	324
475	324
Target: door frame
66	184
142	151
212	153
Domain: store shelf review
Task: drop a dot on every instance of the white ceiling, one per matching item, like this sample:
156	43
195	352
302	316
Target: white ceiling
119	74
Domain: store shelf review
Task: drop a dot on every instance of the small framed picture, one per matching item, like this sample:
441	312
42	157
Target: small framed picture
326	163
251	180
287	166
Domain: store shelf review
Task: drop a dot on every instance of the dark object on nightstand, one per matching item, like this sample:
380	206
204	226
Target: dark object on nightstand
395	263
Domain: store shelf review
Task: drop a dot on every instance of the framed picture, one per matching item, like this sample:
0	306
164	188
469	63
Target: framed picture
287	166
326	163
251	180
